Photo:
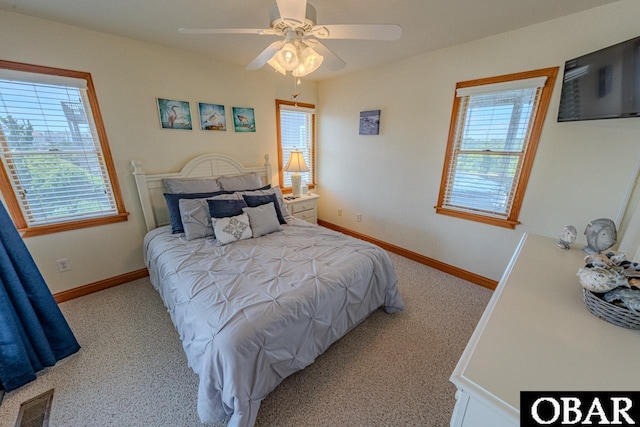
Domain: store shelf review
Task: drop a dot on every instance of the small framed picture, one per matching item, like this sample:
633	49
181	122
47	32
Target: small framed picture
244	119
369	122
212	116
174	114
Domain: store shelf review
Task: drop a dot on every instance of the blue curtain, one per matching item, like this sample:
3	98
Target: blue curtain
33	332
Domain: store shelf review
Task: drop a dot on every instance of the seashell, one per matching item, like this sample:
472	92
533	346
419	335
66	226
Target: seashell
632	270
617	259
600	279
598	260
629	297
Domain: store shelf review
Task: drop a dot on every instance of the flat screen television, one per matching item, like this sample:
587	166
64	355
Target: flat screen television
604	84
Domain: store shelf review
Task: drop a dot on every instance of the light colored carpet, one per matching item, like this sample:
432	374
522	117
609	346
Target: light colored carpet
392	370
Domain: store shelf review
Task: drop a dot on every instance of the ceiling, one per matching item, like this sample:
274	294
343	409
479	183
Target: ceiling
427	24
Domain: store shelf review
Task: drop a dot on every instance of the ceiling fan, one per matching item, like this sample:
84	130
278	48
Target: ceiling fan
300	50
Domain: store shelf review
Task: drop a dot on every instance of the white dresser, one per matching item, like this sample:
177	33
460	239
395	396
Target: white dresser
304	207
536	335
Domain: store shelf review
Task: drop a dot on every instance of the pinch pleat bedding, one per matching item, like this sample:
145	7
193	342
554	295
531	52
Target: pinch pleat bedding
252	312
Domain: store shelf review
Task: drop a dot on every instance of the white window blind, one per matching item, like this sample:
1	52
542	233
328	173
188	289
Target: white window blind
51	149
296	133
492	132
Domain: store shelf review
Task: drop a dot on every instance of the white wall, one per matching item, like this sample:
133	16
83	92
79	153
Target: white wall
128	76
581	171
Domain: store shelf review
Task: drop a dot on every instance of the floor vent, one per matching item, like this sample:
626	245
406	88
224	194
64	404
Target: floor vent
35	412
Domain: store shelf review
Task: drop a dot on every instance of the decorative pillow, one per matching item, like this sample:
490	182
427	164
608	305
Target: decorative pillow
173	206
248	181
221	208
231	196
191	185
196	219
263	219
273	190
231	229
253	201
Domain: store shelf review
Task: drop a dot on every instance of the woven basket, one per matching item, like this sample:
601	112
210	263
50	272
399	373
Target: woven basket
612	313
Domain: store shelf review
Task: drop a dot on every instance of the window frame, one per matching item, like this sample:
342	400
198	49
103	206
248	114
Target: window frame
10	198
526	164
281	160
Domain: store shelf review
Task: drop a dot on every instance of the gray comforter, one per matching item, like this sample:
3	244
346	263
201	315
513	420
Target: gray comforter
255	311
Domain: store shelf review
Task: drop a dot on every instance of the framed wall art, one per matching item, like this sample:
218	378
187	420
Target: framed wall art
369	122
212	116
174	114
244	119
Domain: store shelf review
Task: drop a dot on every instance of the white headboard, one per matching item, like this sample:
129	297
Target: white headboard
151	187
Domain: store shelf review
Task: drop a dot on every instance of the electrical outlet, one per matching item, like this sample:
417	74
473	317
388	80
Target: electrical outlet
359	217
340	212
63	264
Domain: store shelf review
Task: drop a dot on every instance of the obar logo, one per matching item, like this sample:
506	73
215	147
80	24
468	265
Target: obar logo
579	408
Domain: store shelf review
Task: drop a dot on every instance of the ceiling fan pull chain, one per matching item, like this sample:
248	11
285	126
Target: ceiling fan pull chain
295	95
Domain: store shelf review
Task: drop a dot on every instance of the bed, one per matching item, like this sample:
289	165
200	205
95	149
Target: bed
252	312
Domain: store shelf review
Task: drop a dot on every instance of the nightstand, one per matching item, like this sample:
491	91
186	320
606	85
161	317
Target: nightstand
304	207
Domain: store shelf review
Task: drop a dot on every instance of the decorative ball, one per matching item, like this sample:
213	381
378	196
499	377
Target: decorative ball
567	236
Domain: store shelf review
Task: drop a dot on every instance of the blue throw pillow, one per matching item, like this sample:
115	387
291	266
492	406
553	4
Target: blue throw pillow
226	208
254	201
173	205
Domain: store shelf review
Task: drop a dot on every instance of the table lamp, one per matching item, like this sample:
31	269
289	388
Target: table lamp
296	164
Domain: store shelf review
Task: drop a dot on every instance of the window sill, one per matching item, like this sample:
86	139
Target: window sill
506	223
72	225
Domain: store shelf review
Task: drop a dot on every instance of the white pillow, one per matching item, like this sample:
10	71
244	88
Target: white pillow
231	229
263	219
191	185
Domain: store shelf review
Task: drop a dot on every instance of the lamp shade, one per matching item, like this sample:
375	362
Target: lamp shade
310	60
296	162
276	66
287	57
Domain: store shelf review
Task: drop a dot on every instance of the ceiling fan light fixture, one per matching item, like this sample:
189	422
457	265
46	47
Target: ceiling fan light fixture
310	60
287	57
295	21
276	66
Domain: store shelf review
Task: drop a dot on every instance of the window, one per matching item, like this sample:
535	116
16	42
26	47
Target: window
296	123
495	128
57	173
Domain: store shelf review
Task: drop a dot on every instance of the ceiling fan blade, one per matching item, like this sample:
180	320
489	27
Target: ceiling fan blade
292	10
333	61
358	31
264	56
259	31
